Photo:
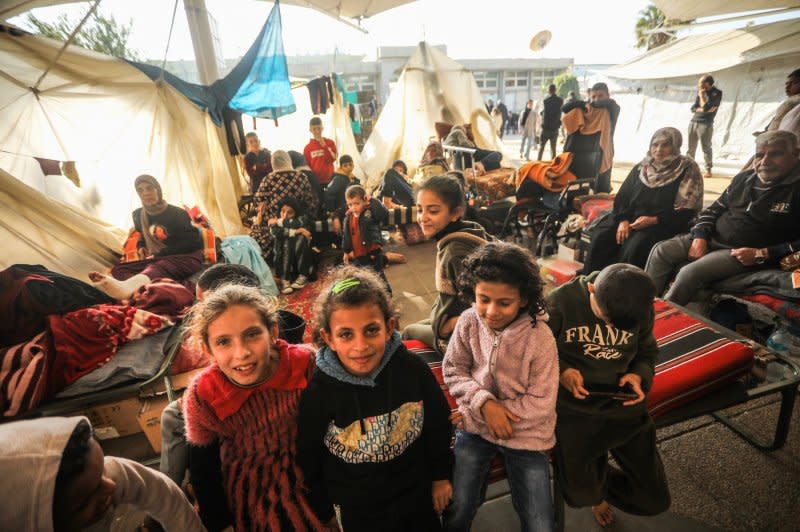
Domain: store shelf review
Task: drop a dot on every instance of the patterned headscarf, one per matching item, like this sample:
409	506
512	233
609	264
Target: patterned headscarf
434	154
458	137
659	174
153	244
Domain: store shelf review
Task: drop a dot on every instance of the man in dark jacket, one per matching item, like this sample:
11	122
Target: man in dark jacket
701	126
755	222
503	110
551	121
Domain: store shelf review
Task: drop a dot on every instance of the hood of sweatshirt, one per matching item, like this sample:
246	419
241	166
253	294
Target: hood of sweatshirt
328	362
462	230
30	455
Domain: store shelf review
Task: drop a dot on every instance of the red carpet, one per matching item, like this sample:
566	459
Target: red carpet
301	302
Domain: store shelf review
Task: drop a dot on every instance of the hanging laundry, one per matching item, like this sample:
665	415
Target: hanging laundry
319	90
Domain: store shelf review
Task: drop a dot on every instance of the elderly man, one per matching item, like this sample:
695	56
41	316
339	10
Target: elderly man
755	222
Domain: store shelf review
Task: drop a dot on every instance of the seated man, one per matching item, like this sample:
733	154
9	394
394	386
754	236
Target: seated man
395	191
755	221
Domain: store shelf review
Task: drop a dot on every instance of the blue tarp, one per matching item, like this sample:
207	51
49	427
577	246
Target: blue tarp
266	92
258	85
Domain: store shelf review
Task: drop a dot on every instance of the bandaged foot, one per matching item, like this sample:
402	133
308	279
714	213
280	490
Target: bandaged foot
603	514
119	290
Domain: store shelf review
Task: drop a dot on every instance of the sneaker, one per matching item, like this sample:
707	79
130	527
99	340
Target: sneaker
300	282
708	173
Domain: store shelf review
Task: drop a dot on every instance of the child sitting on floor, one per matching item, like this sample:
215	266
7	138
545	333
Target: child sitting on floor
501	367
603	325
292	246
374	436
55	478
248	402
362	241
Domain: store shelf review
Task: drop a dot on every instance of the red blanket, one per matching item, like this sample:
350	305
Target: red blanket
81	341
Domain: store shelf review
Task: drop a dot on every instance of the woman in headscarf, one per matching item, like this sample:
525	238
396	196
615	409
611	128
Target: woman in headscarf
658	200
284	182
169	245
458	137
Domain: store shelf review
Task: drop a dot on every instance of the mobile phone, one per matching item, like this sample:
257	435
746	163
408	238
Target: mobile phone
620	393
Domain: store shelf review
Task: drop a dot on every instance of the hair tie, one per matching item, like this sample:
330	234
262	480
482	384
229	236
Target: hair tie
344	284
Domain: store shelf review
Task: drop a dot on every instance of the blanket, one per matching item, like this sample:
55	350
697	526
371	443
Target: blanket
551	175
29	293
495	184
590	122
77	343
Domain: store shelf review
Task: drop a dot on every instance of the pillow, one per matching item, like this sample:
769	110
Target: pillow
443	128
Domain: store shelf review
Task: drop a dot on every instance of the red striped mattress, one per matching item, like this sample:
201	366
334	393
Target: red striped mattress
694	359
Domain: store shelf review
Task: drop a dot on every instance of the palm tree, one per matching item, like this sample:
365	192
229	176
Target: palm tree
651	18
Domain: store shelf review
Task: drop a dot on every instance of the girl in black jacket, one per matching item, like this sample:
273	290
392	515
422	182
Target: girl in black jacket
374	434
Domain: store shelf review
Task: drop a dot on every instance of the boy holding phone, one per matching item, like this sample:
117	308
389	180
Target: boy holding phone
603	325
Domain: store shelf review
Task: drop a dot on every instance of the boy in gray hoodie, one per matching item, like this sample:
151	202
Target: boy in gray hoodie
55	478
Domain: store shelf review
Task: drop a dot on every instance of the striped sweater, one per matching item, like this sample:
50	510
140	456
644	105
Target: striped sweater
257	432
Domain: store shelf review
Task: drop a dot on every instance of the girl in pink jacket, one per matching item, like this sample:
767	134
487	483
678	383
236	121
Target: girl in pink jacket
501	367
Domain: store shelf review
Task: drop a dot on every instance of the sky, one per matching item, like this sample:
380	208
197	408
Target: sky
469	28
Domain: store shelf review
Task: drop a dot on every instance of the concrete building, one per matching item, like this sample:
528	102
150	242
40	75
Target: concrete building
512	81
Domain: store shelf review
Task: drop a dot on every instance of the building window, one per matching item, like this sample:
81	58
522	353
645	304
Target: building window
516	79
359	83
486	80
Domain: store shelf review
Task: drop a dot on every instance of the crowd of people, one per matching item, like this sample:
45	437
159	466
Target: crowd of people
357	432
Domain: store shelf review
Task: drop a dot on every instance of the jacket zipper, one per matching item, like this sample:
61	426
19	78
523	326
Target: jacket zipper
493	360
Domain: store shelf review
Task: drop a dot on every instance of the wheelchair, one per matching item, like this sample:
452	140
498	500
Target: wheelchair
544	216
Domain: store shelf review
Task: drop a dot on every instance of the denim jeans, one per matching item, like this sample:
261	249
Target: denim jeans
528	475
525	146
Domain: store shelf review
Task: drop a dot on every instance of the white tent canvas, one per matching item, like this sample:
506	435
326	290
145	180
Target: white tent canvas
749	65
432	88
115	123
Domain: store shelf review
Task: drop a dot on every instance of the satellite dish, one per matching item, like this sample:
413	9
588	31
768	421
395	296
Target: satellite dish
540	40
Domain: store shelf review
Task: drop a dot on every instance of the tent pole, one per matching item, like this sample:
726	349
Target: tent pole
72	35
335	16
202	42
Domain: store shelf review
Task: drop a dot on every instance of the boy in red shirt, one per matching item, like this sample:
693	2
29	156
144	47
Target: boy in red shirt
320	152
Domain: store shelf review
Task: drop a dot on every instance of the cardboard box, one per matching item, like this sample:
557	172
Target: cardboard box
556	272
568	254
149	419
114	419
181	380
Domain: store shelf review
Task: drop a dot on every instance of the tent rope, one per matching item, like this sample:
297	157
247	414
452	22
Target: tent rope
72	35
169	39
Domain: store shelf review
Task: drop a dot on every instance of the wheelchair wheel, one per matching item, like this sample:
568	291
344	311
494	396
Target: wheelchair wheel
247	210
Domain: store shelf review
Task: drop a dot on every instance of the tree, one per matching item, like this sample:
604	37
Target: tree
565	83
100	33
651	18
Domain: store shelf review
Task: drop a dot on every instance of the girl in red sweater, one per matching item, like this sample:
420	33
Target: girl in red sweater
248	402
